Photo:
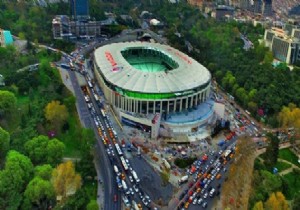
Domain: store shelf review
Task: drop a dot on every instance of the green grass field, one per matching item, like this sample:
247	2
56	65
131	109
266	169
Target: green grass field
287	154
281	166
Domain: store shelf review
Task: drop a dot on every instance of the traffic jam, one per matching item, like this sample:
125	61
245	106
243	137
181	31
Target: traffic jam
126	177
204	176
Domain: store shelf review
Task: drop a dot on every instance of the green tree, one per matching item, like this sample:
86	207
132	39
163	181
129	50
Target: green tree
7	102
42	150
4	143
43	171
39	192
165	176
13	179
272	150
296	202
93	205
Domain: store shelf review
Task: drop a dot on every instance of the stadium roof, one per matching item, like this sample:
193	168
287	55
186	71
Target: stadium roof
188	75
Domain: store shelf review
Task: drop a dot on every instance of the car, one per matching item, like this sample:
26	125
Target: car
186	205
195	201
131	191
136	189
108	151
115	198
130	179
205	195
200	201
204	205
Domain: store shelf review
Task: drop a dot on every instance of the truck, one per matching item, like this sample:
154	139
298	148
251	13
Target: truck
135	176
183	179
124	185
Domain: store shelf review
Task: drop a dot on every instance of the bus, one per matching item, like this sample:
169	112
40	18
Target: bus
118	149
124	164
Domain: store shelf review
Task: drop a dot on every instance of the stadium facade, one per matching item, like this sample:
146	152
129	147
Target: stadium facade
153	86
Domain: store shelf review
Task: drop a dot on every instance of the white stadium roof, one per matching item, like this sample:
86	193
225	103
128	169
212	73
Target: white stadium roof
118	71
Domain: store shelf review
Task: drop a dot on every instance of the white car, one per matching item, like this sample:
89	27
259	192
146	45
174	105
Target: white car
195	201
130	179
205	195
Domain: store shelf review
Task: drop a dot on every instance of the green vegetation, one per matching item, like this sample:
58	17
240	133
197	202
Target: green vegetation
288	155
293	183
183	163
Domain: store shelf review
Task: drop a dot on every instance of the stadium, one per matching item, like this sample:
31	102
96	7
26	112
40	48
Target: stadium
154	86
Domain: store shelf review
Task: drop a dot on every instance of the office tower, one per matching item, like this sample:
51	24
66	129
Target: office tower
79	9
267	8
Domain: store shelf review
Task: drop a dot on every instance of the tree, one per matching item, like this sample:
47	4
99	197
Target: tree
65	180
272	150
39	192
289	116
4	143
258	206
13	179
43	171
8	102
276	201
165	176
56	114
43	150
93	205
296	202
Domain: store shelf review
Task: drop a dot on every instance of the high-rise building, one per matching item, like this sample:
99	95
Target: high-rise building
267	8
79	9
63	28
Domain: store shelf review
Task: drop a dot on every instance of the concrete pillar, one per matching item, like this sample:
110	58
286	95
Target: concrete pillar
153	107
180	106
175	105
186	102
161	103
147	110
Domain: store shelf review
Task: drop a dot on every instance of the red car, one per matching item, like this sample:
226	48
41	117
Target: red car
115	198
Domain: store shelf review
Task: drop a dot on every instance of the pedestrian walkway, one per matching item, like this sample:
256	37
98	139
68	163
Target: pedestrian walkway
66	79
288	170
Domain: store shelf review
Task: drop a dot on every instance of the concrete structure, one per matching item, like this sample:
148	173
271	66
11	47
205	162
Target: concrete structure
150	85
285	47
5	38
63	28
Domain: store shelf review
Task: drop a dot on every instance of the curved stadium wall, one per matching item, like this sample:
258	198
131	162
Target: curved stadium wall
149	78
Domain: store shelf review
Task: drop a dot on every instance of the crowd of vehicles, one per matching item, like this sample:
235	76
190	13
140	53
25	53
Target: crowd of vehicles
126	178
207	169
